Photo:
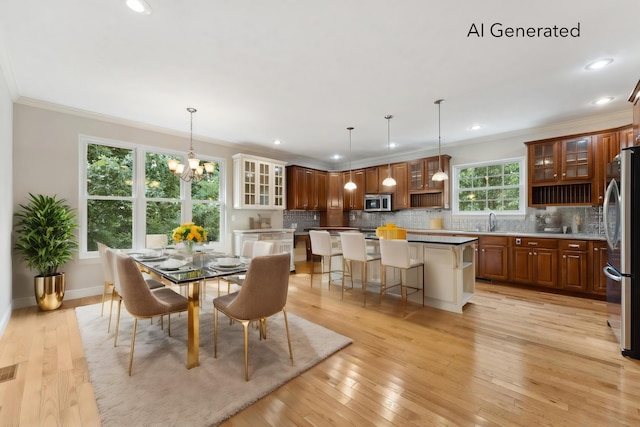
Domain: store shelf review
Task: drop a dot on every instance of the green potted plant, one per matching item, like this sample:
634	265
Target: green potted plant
46	241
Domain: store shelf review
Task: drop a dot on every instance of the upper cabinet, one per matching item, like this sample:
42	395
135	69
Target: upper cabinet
421	172
561	160
424	192
399	192
306	189
572	170
258	183
354	199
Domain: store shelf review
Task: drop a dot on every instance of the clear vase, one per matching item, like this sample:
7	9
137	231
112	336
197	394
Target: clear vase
188	249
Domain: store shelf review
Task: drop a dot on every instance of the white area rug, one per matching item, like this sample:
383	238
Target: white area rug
163	392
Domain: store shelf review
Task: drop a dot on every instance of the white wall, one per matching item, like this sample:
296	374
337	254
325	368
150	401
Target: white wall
6	193
46	147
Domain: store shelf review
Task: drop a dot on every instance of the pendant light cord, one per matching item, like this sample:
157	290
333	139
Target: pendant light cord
389	117
350	128
439	102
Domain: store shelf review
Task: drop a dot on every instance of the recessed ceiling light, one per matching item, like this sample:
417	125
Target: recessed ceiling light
139	6
476	127
604	100
393	145
600	63
337	156
277	142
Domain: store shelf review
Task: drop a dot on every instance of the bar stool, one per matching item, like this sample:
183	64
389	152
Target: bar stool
395	253
321	246
354	248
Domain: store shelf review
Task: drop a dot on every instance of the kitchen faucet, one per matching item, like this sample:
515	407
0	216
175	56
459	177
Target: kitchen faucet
492	221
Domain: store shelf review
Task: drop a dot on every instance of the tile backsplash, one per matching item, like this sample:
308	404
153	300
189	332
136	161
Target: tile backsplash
588	220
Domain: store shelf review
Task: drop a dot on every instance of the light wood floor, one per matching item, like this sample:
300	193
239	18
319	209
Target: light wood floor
514	357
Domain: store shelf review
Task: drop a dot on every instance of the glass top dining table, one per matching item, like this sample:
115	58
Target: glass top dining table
191	273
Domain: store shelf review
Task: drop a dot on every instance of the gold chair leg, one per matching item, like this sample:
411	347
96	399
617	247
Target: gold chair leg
344	266
286	326
133	342
104	297
245	325
364	281
115	339
110	311
168	327
215	332
383	281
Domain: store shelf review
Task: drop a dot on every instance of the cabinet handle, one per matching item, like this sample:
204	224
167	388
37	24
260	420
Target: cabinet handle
573	245
533	243
596	249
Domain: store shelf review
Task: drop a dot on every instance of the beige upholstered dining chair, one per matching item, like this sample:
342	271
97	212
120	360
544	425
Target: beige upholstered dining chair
396	254
107	271
354	248
140	301
250	249
108	268
262	295
321	246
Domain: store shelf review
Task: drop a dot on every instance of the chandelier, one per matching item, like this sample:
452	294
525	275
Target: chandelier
195	171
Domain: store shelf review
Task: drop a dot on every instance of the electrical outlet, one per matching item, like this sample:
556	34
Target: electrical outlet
314	217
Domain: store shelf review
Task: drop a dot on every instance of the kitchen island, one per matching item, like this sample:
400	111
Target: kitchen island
449	269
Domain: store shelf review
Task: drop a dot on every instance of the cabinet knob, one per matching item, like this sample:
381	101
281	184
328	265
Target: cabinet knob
564	174
596	249
483	250
555	175
564	256
535	253
530	253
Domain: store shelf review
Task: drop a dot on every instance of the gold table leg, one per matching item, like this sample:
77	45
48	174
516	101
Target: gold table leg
193	320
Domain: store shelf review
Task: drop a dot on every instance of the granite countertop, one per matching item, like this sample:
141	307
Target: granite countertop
265	230
576	236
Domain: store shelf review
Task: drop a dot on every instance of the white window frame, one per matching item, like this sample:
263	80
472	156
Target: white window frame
455	187
138	197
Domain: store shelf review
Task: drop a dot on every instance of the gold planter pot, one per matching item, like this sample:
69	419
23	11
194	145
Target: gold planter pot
49	291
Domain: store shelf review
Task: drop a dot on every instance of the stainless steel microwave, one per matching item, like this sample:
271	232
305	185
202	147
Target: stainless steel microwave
377	202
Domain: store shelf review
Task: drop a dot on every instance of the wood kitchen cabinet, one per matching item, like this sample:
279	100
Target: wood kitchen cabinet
597	261
334	216
534	261
424	192
561	160
306	189
354	199
493	258
399	192
373	180
573	265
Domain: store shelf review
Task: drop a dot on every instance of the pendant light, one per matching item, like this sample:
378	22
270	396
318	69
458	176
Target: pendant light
389	181
350	185
440	175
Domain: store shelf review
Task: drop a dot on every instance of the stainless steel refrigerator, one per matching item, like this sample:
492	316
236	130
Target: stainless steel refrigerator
621	218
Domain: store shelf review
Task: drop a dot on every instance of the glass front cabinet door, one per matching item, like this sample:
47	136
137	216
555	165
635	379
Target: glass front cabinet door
258	183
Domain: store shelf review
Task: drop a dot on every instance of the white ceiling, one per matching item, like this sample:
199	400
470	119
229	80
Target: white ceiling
303	71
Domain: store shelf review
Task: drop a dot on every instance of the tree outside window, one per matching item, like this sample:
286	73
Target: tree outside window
112	204
489	187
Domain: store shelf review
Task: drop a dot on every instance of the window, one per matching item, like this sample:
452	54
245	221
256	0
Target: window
127	191
497	186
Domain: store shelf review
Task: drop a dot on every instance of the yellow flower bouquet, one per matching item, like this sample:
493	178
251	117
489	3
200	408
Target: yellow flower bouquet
189	232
